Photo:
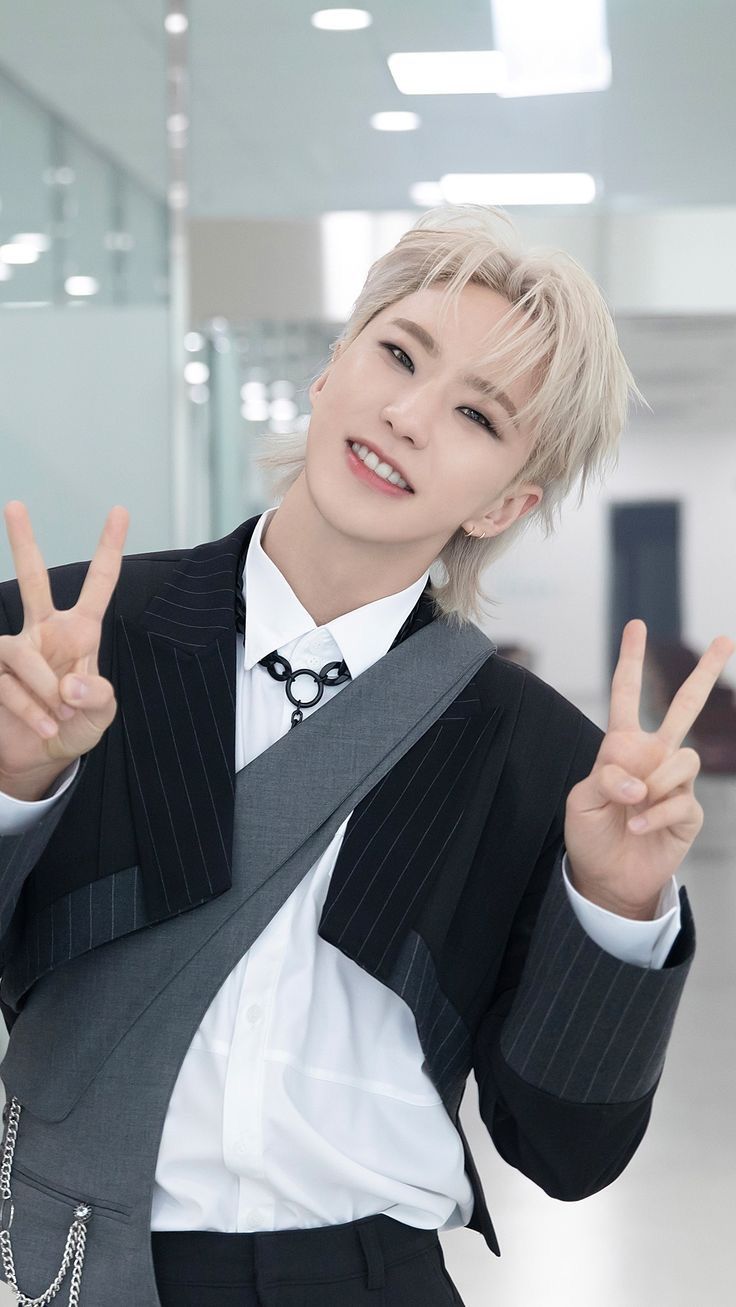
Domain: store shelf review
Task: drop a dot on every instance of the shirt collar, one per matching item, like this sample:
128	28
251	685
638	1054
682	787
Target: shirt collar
274	616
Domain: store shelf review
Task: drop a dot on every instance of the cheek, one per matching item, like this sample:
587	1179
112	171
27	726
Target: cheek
347	403
465	473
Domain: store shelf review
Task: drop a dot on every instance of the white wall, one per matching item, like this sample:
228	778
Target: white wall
667	260
555	592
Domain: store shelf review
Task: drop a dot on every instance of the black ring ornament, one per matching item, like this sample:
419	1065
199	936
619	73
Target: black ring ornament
280	669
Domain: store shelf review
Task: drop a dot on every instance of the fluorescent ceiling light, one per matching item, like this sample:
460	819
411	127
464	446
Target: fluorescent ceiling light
18	252
395	121
447	72
518	187
341	20
196	373
79	285
38	240
176	23
551	49
426	194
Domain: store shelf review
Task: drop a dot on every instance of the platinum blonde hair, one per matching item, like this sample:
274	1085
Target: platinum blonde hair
558	329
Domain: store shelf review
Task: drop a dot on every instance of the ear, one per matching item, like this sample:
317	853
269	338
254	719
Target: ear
320	381
513	508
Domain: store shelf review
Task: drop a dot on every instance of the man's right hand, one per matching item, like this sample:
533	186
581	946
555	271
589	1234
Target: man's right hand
38	666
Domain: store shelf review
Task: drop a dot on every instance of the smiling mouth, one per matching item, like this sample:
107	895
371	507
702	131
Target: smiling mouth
405	489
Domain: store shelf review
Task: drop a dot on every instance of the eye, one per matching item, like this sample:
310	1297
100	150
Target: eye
483	419
391	349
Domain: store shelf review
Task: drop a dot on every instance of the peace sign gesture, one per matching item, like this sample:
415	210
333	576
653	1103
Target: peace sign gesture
611	863
38	666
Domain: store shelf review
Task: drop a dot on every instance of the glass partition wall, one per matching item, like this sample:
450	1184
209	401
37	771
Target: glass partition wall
75	227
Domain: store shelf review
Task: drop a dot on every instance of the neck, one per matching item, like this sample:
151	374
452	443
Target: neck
329	572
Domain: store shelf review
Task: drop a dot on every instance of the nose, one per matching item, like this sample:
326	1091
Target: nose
409	420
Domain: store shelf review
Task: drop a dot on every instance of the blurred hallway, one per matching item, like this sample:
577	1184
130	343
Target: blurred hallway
663	1232
191	197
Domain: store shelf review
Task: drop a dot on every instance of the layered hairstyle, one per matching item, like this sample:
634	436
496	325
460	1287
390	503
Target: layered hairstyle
558	329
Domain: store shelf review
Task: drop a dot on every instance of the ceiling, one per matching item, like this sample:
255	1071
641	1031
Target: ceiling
279	111
279	127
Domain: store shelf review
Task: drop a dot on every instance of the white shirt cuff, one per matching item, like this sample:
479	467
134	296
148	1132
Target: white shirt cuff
643	943
18	815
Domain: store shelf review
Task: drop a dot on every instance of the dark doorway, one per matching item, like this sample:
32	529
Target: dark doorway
645	552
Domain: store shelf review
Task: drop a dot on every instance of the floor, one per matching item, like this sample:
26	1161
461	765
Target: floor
662	1233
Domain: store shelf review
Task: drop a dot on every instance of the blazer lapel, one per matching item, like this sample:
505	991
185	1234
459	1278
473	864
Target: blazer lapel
402	840
177	675
417	706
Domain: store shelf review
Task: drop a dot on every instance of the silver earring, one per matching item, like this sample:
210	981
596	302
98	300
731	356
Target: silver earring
472	533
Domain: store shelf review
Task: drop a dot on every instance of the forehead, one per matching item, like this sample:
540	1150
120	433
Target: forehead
469	319
459	339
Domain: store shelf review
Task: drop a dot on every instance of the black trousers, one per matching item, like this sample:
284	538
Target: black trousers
374	1262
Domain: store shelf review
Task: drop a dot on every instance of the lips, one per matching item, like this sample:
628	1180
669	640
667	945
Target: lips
382	458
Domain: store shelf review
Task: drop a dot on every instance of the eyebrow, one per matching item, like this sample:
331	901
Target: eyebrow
469	378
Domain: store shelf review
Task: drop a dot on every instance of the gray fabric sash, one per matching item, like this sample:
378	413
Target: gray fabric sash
95	1053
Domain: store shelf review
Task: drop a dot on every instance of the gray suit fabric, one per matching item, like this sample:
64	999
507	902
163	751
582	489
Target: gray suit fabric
95	1052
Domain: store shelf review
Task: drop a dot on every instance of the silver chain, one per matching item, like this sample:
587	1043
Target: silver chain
75	1242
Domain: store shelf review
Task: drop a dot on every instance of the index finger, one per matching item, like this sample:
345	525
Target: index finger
623	714
30	569
693	693
104	569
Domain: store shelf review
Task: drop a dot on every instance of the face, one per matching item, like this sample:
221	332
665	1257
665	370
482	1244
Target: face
457	447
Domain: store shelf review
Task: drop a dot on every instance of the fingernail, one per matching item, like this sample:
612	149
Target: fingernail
66	711
638	823
633	787
78	689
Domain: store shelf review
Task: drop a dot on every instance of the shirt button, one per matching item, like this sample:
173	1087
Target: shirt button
254	1013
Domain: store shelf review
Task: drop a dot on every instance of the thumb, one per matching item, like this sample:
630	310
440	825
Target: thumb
607	784
88	692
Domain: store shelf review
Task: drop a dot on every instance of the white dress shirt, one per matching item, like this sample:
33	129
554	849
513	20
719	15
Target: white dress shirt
303	1099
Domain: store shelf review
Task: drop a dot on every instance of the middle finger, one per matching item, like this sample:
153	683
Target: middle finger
692	695
676	770
30	668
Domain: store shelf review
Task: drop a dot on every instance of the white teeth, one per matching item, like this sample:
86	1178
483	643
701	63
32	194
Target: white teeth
381	469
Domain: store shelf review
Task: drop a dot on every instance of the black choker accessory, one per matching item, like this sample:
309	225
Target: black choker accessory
280	669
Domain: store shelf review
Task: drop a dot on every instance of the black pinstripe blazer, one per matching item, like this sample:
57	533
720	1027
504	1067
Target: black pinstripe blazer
567	1043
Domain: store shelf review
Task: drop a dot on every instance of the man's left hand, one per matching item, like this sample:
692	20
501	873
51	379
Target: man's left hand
620	869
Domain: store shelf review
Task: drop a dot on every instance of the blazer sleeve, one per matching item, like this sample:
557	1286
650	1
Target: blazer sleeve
569	1056
20	853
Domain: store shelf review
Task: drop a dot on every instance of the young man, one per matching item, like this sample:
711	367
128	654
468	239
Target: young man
333	853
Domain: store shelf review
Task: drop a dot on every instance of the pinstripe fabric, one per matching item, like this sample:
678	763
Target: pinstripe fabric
443	1034
452	803
18	854
128	1089
399	840
581	1028
177	675
89	916
336	766
176	695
